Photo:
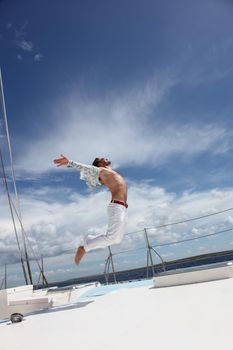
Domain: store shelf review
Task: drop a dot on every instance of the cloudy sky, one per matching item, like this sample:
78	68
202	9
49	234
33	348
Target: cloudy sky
147	84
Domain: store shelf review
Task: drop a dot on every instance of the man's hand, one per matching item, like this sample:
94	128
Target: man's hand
61	161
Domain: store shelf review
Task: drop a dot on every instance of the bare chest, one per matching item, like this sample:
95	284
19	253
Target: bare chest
110	176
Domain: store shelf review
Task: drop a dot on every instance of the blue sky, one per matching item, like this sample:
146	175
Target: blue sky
147	84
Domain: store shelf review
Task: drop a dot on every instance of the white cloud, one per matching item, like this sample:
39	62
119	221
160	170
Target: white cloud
57	220
126	127
38	57
24	44
21	41
19	57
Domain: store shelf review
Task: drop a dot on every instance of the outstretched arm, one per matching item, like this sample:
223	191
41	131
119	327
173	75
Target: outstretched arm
88	173
61	161
71	163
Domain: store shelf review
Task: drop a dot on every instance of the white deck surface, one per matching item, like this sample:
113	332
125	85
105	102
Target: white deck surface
195	316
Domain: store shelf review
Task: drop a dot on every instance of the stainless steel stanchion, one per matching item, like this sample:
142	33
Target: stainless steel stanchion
109	262
149	256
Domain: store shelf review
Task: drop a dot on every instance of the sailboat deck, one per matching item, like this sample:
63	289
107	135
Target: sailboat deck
132	315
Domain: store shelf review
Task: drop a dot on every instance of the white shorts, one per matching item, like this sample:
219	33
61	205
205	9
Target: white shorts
115	231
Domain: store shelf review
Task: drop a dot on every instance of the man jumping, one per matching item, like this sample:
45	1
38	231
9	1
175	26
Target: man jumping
96	175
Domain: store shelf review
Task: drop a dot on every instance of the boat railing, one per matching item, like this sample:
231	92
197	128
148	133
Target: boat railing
149	253
150	249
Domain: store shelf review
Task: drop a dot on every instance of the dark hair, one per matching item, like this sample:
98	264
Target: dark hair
96	162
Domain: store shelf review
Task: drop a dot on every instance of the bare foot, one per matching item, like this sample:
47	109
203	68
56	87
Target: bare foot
79	254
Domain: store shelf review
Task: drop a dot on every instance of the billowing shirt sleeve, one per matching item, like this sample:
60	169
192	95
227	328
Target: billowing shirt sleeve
88	173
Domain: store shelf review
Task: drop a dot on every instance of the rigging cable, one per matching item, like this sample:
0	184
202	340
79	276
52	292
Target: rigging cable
191	219
9	142
177	242
13	173
12	216
29	244
182	222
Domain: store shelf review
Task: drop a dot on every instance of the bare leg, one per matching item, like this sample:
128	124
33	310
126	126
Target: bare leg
79	254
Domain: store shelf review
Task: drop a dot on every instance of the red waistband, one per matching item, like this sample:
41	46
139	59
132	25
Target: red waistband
119	202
